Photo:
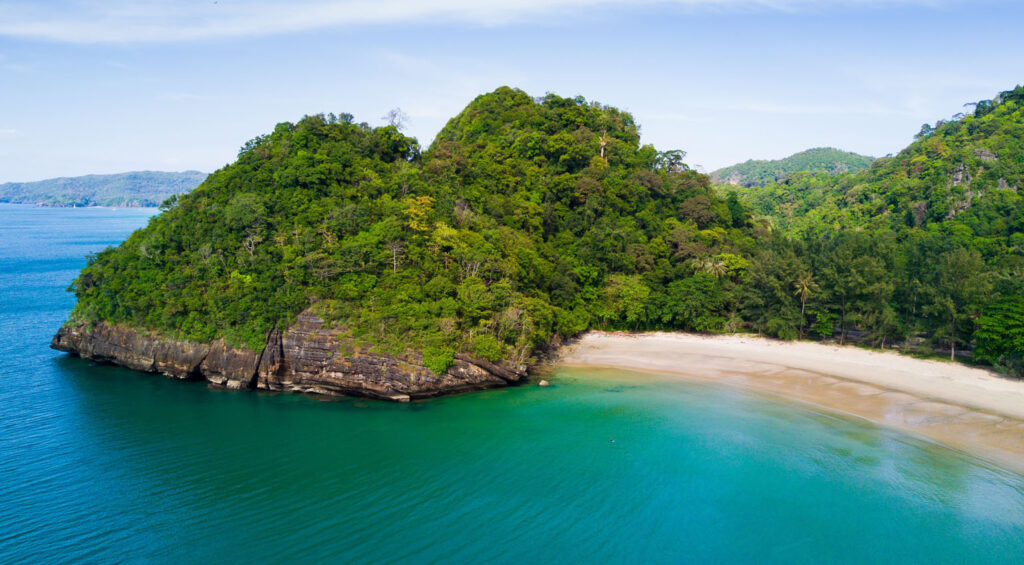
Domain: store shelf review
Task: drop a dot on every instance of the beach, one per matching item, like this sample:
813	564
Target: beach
967	408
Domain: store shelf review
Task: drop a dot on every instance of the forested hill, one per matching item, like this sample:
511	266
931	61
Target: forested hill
818	160
530	220
526	220
133	189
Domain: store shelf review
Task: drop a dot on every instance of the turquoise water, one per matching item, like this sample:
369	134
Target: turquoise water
101	464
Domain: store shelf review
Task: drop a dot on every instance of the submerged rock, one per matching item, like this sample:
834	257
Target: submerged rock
307	357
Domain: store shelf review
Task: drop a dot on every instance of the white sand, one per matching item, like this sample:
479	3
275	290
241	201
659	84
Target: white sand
965	407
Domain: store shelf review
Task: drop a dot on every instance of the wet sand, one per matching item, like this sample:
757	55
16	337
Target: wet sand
967	408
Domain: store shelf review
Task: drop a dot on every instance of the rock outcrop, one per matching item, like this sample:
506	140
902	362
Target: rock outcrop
308	357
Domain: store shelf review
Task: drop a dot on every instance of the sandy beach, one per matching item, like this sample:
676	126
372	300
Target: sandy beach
971	409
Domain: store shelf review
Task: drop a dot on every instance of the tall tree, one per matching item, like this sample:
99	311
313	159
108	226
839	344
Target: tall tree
961	285
805	286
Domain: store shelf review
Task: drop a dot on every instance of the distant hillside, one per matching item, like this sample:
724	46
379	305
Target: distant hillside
134	189
817	160
961	177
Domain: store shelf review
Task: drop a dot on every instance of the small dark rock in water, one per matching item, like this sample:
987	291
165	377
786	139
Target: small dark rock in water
543	383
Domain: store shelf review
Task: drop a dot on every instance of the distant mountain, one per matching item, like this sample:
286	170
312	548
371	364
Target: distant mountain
817	160
134	189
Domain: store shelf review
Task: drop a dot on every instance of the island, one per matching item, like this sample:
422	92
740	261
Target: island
136	189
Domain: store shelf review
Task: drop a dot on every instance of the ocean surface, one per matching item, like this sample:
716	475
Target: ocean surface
101	464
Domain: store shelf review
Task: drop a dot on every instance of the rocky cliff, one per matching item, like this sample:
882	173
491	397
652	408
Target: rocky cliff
308	357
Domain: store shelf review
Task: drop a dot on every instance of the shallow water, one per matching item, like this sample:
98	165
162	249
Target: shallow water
104	464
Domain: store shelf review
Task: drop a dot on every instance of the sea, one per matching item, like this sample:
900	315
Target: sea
100	464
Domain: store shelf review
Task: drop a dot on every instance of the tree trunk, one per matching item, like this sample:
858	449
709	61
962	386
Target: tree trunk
803	318
842	328
952	340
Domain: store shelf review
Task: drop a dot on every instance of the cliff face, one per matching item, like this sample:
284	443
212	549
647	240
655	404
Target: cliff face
308	357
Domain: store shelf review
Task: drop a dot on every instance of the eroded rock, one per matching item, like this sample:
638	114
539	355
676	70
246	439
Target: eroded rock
307	358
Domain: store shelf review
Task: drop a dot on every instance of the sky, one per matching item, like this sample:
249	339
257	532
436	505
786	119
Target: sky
90	86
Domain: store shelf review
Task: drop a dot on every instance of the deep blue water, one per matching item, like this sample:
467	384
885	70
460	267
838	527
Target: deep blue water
101	464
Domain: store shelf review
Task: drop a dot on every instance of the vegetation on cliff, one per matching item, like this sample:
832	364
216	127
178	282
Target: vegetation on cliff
818	160
525	220
532	219
134	189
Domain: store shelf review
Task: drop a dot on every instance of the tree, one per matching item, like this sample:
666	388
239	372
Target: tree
699	209
768	303
396	118
695	303
395	247
736	210
625	300
981	107
960	286
417	210
713	266
671	161
1000	334
805	286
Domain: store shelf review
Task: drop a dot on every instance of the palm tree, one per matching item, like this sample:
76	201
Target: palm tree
805	286
712	266
717	268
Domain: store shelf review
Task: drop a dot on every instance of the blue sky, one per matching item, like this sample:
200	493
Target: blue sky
99	87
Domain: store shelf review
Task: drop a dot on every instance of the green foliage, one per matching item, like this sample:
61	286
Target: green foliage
1000	334
818	160
139	188
487	346
438	359
532	219
769	303
695	303
525	220
824	323
962	179
911	247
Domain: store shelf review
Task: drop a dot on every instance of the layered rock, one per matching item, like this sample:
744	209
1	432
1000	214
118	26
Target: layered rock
308	357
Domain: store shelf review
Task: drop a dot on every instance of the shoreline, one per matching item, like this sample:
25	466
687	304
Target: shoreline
84	206
969	409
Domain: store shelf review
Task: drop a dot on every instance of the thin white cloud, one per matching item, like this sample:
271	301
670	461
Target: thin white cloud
7	65
120	21
8	133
